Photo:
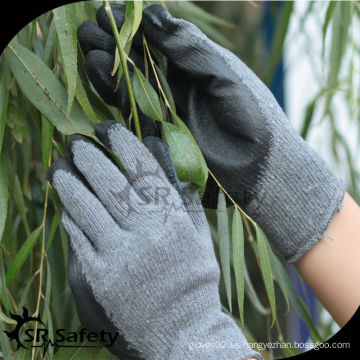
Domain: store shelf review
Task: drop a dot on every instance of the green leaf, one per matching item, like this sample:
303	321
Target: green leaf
184	154
137	15
266	270
164	84
224	244
340	27
277	266
50	44
66	28
4	298
3	194
201	174
299	305
186	9
4	343
47	132
53	227
238	259
45	91
19	201
21	255
16	121
4	100
81	15
328	16
6	319
84	102
146	97
124	36
252	295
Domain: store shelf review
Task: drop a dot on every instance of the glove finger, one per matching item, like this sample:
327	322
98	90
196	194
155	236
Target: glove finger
182	42
102	18
83	206
92	37
144	173
99	65
107	181
188	192
161	153
118	11
78	240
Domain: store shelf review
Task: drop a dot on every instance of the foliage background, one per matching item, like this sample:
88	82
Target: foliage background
43	82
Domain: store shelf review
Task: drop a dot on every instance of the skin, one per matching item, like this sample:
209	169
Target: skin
332	267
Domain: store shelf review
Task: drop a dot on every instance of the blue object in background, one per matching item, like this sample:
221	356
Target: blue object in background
297	329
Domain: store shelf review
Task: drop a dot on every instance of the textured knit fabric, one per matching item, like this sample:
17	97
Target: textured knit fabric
148	259
245	137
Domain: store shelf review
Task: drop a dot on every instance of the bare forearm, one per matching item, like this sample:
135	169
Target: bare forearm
332	267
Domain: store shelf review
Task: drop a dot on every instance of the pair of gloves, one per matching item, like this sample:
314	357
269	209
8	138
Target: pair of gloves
154	277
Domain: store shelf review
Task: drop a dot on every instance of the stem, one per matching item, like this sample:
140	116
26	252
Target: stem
125	70
155	73
231	199
41	261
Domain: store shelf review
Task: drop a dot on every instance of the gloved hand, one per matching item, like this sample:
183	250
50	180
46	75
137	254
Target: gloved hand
245	137
143	250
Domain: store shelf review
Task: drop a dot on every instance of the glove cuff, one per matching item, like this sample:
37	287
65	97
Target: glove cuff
297	197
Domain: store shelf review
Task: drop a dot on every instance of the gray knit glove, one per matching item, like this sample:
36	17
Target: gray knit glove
142	242
245	137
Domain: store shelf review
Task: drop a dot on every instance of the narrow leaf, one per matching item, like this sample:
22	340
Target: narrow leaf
124	35
266	270
4	99
252	295
21	255
137	15
224	244
186	9
66	28
18	197
238	259
3	194
45	91
340	26
50	44
202	170
184	154
146	96
166	87
4	343
47	131
84	102
6	319
53	227
278	274
328	17
299	305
